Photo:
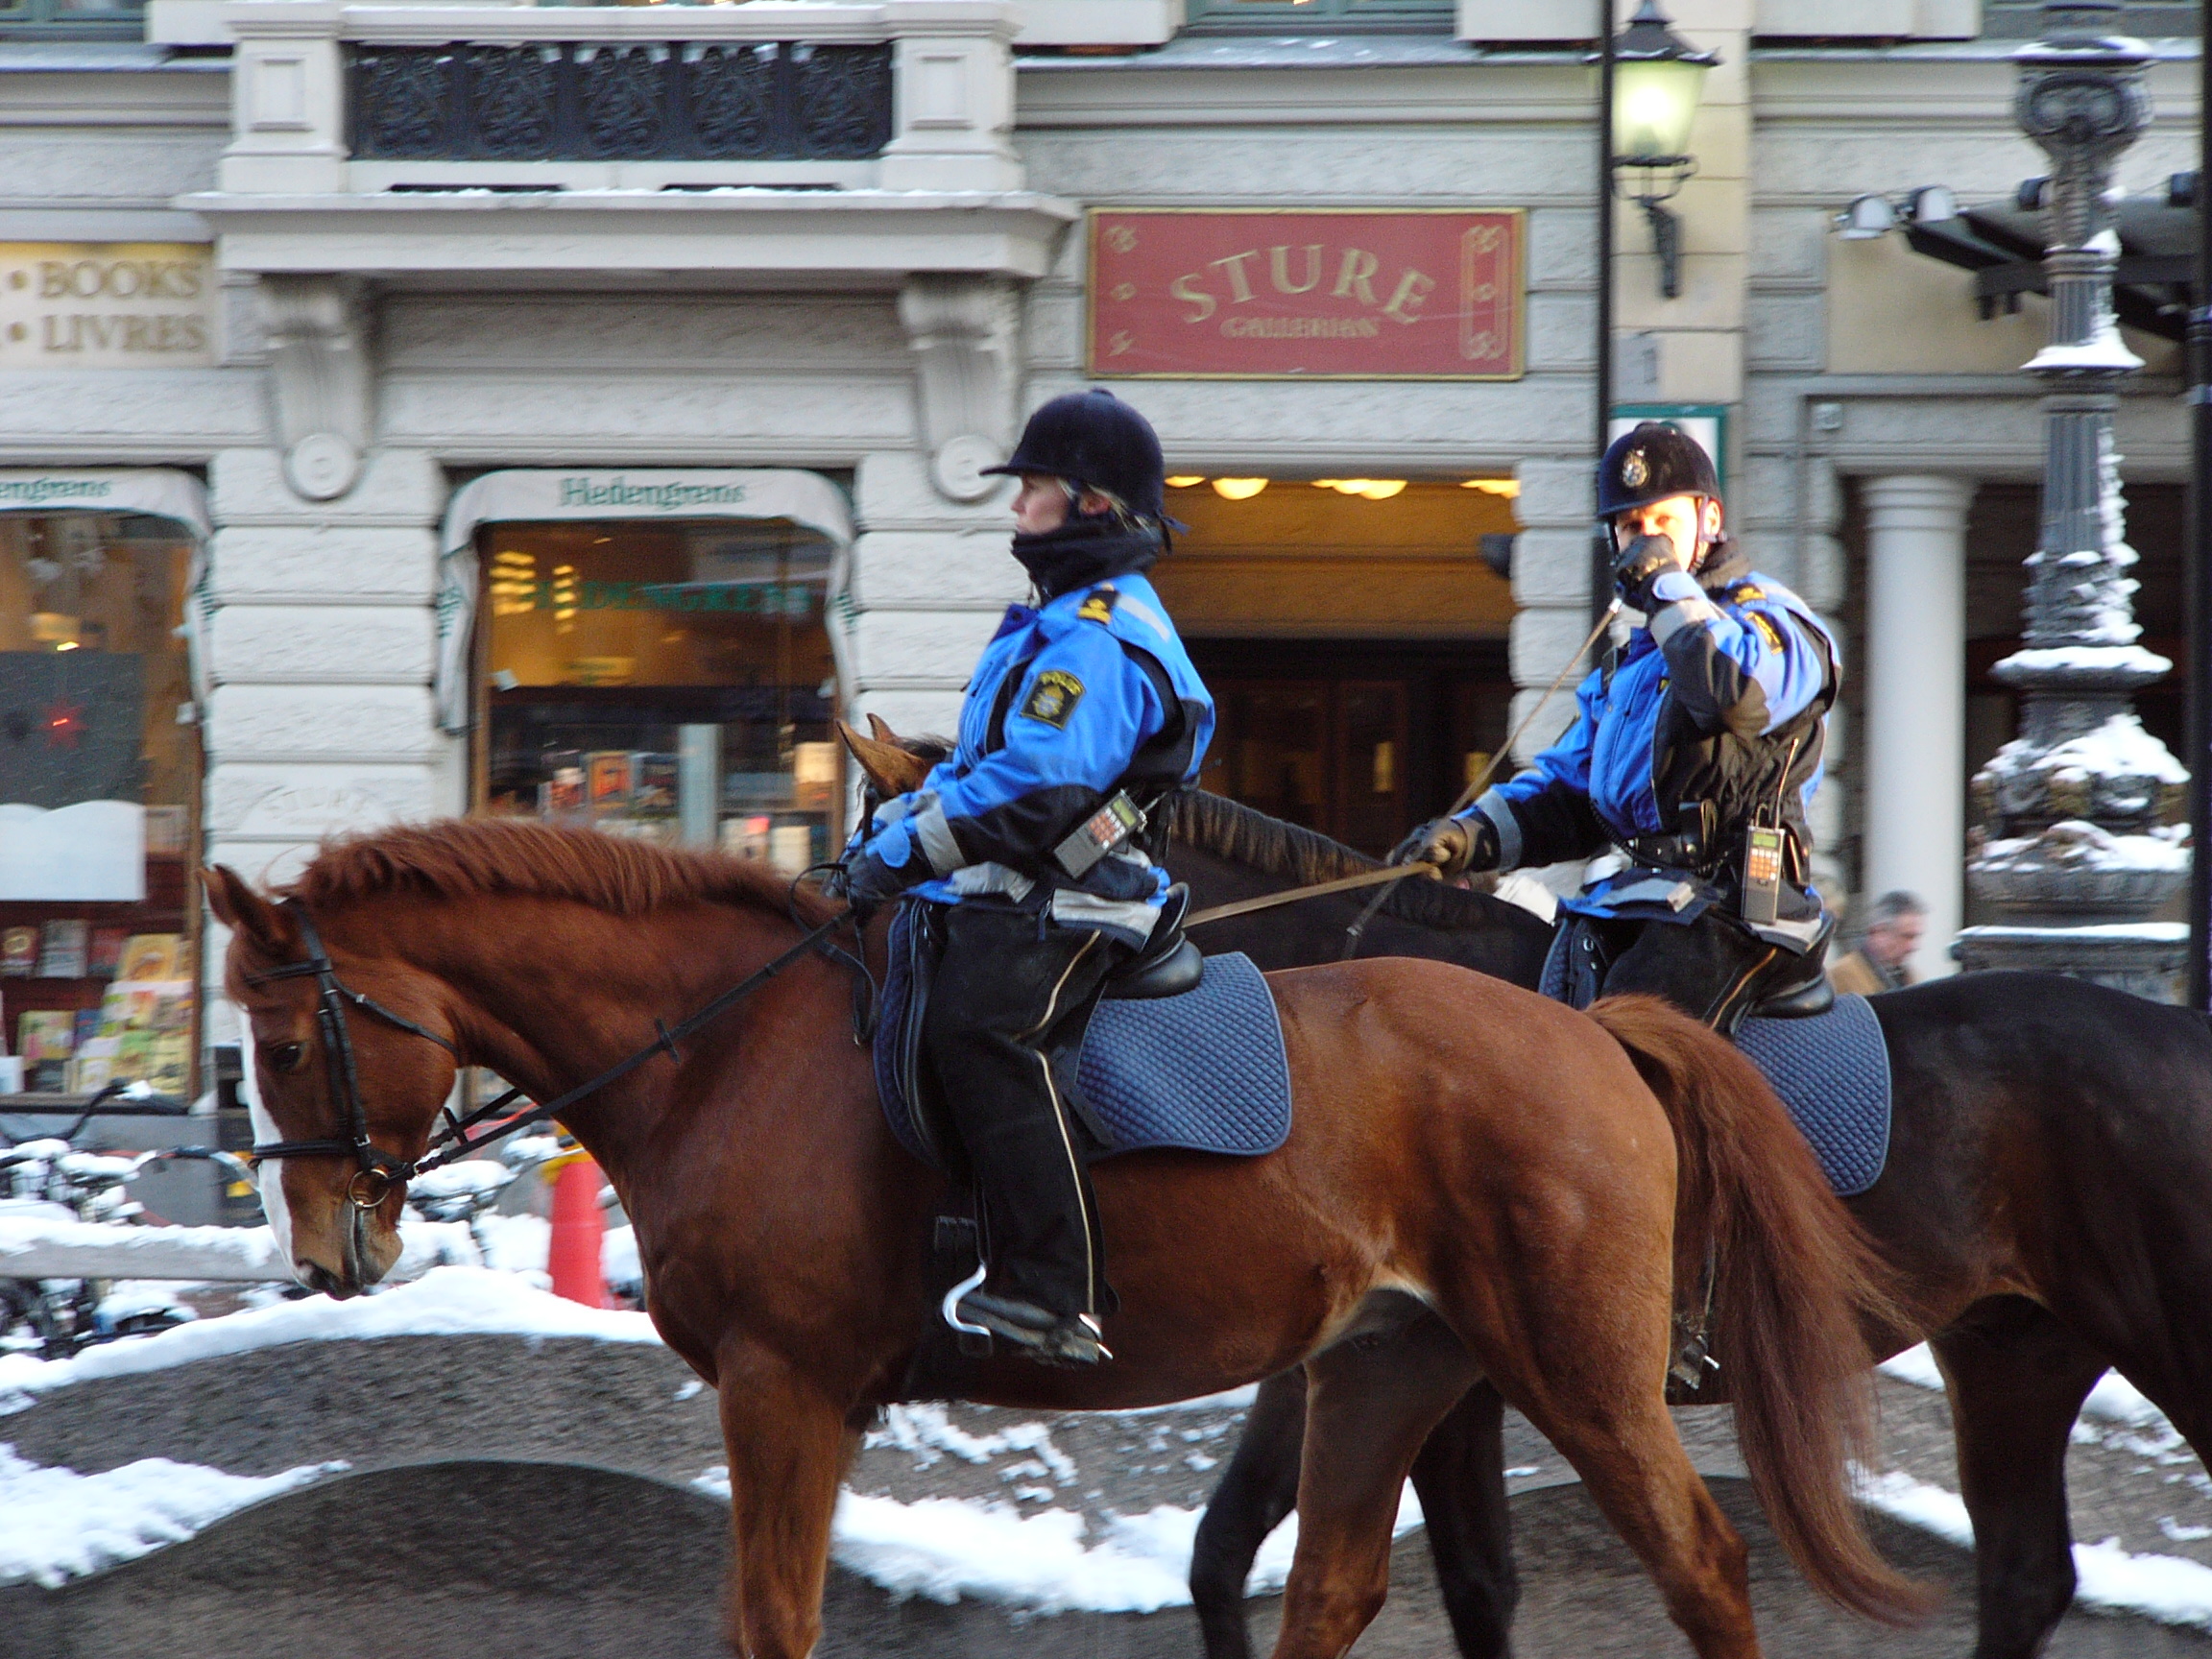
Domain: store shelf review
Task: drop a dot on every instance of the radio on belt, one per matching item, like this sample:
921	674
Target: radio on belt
1106	831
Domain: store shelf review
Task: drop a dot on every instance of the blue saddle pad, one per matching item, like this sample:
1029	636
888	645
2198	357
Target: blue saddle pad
1205	1071
1832	1072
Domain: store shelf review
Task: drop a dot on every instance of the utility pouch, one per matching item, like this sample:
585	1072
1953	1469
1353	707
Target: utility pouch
1106	831
1764	848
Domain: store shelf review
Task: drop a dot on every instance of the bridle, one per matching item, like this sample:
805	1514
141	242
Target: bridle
378	1171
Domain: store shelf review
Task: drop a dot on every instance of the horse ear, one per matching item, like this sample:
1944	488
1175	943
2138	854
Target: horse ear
881	730
244	911
891	770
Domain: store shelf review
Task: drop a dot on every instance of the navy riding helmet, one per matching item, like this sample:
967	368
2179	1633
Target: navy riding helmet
1095	442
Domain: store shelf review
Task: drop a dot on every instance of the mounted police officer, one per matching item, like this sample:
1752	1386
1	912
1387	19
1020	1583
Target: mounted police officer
1692	755
1031	848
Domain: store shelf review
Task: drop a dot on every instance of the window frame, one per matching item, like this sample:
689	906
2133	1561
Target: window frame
1321	17
46	20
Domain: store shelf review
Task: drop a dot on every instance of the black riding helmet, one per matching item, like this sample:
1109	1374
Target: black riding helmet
1095	442
1656	460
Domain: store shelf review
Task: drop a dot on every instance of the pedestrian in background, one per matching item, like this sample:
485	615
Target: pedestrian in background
1894	926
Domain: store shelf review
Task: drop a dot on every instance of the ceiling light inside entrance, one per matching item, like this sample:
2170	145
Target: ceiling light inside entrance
1369	488
1186	480
1506	488
1238	489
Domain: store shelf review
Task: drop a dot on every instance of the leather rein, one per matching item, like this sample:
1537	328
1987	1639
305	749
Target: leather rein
378	1171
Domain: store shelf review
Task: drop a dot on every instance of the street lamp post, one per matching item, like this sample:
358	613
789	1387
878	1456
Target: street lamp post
1648	83
2198	588
2075	852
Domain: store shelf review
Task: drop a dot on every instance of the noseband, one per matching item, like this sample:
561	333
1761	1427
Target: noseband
378	1171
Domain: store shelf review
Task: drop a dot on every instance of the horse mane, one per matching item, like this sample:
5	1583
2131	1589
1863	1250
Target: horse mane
467	858
1243	835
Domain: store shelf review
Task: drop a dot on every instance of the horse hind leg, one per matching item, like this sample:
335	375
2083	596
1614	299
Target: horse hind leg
1258	1489
2017	1379
1369	1405
1460	1479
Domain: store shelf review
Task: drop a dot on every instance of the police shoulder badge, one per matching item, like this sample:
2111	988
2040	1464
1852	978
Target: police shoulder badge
1053	697
1097	607
1772	634
1635	470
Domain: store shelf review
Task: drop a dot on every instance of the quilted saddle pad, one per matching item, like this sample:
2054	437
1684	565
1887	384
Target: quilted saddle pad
1202	1073
1832	1072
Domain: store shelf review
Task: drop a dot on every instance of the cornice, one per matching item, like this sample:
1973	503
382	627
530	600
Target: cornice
613	233
1136	93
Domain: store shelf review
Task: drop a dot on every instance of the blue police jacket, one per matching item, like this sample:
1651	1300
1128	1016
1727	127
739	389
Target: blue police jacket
1721	699
1091	694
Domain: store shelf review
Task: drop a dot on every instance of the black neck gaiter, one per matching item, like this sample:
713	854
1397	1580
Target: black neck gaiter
1083	551
1725	563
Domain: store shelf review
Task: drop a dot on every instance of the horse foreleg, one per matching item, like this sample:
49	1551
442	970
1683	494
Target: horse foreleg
1367	1411
1460	1479
1257	1490
789	1447
2017	1380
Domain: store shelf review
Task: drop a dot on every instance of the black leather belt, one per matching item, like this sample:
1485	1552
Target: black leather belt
1666	852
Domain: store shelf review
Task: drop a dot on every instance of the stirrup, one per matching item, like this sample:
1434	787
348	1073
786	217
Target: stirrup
1051	1339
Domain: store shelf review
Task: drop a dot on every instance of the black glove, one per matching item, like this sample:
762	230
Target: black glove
1454	845
1636	567
867	883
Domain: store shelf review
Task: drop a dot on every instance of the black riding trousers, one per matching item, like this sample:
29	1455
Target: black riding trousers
1010	994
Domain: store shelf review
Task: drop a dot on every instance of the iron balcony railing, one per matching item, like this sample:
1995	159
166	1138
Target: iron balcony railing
573	101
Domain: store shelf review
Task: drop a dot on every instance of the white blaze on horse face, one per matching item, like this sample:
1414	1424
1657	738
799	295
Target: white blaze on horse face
271	1175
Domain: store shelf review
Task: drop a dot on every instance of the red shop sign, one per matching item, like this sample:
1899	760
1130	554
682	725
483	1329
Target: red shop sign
1346	294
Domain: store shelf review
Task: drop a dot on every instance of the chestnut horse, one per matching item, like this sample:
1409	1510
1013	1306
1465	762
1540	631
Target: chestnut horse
1478	1182
2043	1205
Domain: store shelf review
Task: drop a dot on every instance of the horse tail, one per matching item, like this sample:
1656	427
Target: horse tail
1793	1278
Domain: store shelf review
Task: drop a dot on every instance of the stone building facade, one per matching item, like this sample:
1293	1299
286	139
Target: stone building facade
395	314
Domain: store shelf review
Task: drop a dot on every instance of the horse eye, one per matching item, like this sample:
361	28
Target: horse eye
287	1056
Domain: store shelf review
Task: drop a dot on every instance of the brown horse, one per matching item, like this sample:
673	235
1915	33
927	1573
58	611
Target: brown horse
1478	1182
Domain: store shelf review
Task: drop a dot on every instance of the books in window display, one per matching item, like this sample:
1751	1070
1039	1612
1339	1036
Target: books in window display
64	948
145	1032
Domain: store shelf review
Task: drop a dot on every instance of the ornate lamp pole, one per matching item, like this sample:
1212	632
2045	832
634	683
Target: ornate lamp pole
2074	844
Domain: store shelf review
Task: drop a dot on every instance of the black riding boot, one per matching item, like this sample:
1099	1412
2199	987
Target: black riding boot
1009	992
1713	969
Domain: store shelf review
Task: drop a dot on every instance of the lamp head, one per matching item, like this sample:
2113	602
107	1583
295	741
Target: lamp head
1657	81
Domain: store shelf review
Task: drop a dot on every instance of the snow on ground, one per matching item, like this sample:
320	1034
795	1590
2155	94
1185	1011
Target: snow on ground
56	1523
947	1549
2163	1587
2114	1399
445	1302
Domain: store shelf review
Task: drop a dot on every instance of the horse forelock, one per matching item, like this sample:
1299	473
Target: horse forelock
1243	835
468	858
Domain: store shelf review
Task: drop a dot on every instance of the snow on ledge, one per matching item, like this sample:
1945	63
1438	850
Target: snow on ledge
56	1523
445	1302
952	1549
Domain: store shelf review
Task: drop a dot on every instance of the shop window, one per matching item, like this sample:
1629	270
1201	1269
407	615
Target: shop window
1337	16
75	19
99	791
670	682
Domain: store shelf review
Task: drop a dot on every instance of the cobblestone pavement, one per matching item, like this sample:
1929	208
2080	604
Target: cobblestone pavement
637	1410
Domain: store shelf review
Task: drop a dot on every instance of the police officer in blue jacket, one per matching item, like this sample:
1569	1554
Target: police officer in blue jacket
1032	844
1693	754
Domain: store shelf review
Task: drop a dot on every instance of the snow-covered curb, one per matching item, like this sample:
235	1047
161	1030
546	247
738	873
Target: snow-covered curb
952	1549
56	1523
445	1302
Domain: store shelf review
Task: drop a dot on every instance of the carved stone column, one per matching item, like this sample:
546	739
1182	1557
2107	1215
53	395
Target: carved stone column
2077	840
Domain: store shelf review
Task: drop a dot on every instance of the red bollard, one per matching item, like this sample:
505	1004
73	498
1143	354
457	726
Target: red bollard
579	1231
